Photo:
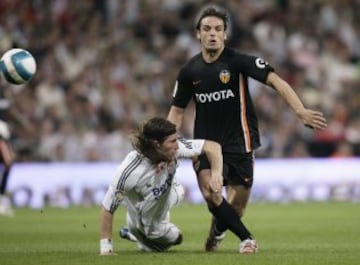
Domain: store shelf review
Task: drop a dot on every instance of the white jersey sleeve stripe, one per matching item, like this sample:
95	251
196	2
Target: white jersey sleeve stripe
190	148
127	171
114	205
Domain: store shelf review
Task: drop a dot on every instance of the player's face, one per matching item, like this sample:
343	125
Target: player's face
212	34
170	146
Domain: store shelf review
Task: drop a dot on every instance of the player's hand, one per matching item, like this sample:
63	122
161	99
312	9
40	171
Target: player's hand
313	119
106	247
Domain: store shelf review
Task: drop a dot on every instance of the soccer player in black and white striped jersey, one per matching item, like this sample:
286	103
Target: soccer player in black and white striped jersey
217	80
145	182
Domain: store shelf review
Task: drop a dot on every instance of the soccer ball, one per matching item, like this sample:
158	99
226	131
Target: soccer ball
17	66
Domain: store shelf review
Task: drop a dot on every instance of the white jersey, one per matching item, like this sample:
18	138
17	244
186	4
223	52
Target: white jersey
145	188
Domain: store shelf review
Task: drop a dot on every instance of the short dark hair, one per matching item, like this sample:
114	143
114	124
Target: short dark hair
213	11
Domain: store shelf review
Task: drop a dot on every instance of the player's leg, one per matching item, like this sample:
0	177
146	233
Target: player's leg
219	226
240	180
125	232
213	199
7	158
159	238
238	196
225	216
176	196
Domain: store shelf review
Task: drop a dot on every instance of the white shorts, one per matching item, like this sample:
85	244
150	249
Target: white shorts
161	238
177	194
158	236
165	234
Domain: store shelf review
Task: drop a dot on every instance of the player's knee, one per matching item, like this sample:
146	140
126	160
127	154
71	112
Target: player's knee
179	240
239	208
206	192
212	198
178	194
180	191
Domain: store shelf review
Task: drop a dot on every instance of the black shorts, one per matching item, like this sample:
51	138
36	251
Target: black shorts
238	168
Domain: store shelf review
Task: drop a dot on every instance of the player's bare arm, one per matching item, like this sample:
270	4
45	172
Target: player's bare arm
176	115
106	232
310	118
211	149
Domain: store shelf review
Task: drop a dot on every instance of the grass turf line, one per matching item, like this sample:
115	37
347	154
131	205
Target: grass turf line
304	234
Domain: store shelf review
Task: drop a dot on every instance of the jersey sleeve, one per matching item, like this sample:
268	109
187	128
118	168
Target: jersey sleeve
183	90
124	180
126	175
254	67
190	148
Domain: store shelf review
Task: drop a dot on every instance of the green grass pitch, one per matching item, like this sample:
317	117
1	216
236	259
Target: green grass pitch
301	233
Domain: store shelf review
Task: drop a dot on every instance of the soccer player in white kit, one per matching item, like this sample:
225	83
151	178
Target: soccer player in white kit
145	182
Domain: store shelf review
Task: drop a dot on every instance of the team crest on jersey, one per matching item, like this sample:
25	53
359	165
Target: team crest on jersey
224	76
119	195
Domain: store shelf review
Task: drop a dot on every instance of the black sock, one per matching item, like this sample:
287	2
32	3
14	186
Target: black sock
227	216
4	180
219	226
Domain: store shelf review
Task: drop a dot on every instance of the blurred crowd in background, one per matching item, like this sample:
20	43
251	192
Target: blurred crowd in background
105	65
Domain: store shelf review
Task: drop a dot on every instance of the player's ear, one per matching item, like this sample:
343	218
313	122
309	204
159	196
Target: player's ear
198	34
225	36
